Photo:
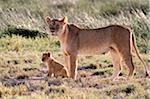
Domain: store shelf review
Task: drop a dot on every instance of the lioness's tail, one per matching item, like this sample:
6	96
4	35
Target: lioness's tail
137	52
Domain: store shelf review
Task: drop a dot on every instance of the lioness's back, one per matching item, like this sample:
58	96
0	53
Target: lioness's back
99	40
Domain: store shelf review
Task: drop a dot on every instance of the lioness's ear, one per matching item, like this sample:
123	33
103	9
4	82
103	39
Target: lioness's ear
65	19
48	19
48	54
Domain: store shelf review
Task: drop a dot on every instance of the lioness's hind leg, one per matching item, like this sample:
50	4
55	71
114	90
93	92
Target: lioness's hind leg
125	52
129	63
116	59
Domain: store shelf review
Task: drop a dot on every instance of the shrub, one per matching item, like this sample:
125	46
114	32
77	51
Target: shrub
21	32
141	31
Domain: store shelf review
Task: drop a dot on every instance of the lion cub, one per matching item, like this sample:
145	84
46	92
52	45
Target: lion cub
53	66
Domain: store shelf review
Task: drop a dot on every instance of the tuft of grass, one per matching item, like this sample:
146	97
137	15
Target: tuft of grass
125	90
129	89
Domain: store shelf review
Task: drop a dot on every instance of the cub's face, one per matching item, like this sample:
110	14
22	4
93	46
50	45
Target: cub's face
56	27
45	57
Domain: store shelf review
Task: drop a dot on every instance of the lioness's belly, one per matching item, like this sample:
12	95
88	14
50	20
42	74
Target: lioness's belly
93	51
94	42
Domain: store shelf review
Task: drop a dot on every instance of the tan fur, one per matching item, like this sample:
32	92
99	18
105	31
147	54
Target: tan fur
76	41
54	67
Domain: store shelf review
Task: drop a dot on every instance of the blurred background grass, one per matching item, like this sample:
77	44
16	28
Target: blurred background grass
30	14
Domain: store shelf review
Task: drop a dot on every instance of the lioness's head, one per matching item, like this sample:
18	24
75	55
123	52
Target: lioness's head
46	57
57	27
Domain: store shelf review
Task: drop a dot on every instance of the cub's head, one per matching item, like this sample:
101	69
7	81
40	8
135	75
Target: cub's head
46	57
56	27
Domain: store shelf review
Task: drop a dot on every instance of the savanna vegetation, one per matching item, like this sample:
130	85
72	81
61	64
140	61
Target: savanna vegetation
24	37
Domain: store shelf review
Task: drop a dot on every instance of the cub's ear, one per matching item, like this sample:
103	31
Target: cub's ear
65	20
48	54
48	19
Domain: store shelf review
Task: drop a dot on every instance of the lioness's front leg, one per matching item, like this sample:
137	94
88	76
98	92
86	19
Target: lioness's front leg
71	65
66	63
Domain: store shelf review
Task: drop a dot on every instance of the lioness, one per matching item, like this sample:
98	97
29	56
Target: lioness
114	38
54	67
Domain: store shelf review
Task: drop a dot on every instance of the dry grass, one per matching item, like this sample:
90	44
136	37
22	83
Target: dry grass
19	69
